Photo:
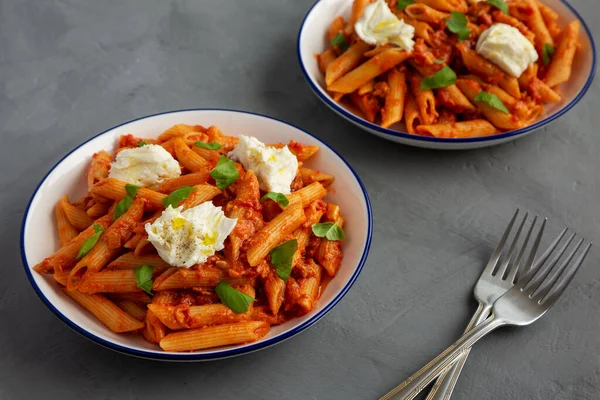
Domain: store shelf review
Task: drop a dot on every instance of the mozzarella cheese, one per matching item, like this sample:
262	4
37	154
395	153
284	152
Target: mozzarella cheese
144	166
379	25
506	47
183	239
274	168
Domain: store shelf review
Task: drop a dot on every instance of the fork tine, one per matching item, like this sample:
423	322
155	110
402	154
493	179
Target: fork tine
524	282
514	269
534	249
559	287
511	251
554	273
542	272
491	265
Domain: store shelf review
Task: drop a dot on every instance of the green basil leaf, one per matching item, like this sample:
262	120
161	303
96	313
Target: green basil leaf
225	173
177	196
547	53
492	100
438	61
238	301
329	230
141	143
143	278
210	146
282	257
122	206
90	242
276	197
402	4
131	189
339	40
500	4
457	23
444	77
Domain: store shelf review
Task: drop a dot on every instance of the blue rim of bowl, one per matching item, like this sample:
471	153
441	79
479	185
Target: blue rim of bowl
222	353
390	132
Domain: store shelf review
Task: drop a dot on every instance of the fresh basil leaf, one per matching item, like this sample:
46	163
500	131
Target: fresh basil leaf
141	143
282	257
143	278
125	203
276	197
444	77
402	4
438	61
339	40
225	173
329	230
492	100
547	53
131	189
500	4
90	242
238	301
457	23
210	146
177	196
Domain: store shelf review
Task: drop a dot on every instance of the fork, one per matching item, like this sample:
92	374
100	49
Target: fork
527	301
495	280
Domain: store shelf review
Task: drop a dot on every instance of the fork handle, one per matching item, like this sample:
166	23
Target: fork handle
444	386
411	387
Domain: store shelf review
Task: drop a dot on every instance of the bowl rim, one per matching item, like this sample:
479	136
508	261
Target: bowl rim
398	134
210	355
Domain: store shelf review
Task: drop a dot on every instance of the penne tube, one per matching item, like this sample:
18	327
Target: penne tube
134	241
530	12
114	189
454	99
65	257
329	253
422	12
212	156
559	70
425	100
346	62
498	118
336	26
215	336
358	9
99	168
309	291
215	135
199	275
184	316
466	129
275	232
309	176
181	130
130	261
445	5
134	309
366	88
76	216
169	185
262	313
325	58
106	311
122	228
136	297
479	65
540	91
511	85
367	104
412	116
66	231
110	281
154	331
393	109
370	69
274	288
188	158
201	194
97	210
308	194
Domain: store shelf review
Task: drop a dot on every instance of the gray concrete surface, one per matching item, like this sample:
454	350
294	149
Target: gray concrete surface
70	69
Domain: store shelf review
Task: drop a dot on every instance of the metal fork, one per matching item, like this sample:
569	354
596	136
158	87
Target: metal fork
523	304
495	280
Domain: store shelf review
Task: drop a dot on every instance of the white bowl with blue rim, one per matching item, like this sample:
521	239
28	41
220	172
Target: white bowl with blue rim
39	238
312	41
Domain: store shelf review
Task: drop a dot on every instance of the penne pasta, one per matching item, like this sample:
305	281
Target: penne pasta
193	179
99	168
66	231
393	110
308	194
559	70
425	100
114	189
76	216
424	13
466	129
346	62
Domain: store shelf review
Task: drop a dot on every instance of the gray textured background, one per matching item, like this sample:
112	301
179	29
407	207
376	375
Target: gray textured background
70	69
